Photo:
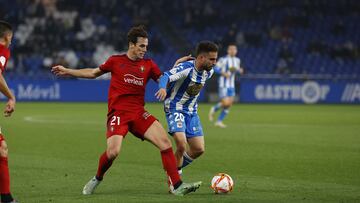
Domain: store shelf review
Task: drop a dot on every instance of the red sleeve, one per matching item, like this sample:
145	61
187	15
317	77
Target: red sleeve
155	71
3	61
108	65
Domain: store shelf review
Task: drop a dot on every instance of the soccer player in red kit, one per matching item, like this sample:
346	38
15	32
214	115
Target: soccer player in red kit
6	34
130	73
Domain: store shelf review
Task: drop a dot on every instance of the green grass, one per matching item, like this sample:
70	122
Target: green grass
274	153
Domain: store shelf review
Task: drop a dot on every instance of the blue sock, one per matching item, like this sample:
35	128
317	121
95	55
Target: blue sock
223	114
186	160
216	107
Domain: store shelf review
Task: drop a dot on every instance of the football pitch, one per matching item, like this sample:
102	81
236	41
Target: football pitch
274	153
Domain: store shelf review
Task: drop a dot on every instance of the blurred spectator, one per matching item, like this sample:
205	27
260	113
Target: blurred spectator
275	33
286	54
282	67
317	47
86	29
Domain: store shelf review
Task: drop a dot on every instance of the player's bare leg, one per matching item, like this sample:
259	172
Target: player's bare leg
196	146
181	144
196	149
213	110
226	103
156	134
113	149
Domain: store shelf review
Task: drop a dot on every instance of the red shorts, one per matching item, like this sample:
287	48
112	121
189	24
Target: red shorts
120	122
1	139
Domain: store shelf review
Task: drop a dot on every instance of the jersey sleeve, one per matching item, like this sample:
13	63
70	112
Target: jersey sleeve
107	66
155	71
178	72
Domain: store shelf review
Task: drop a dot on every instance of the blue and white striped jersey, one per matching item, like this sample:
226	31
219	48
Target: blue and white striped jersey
185	84
230	65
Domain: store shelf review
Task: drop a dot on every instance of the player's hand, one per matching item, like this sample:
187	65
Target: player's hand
161	94
9	108
225	74
183	59
59	70
241	71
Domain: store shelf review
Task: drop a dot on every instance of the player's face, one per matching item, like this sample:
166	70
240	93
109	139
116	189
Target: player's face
139	49
8	38
209	60
232	50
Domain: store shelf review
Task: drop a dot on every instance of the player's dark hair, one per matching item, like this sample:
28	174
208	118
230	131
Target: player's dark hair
232	44
206	47
135	32
4	28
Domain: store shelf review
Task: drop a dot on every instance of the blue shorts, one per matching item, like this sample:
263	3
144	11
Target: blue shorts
226	92
184	122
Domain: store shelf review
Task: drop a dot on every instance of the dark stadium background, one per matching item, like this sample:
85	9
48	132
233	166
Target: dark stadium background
280	42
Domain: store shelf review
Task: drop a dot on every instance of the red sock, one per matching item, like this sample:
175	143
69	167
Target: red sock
104	165
169	163
4	176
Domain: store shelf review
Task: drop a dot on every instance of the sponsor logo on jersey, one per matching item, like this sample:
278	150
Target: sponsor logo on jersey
194	89
131	79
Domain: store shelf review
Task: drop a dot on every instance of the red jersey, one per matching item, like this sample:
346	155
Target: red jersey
4	57
128	81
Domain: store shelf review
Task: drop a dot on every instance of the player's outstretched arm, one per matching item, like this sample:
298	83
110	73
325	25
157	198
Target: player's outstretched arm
161	93
10	105
183	59
90	73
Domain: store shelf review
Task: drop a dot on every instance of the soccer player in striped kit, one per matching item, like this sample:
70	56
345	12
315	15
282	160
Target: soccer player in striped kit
227	66
180	87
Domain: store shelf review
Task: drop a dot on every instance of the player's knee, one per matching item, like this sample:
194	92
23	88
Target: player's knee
198	151
181	148
227	105
163	143
3	150
112	153
166	143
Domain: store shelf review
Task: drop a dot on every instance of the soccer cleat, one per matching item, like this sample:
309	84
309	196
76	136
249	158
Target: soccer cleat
91	186
211	114
186	188
170	185
220	124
